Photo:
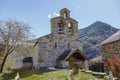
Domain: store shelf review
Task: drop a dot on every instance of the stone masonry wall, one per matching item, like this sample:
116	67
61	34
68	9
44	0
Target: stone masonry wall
51	46
115	47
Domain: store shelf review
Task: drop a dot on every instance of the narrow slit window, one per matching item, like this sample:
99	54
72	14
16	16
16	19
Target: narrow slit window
55	45
68	46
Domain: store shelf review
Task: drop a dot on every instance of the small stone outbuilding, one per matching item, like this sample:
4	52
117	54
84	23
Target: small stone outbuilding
80	58
114	42
97	64
111	52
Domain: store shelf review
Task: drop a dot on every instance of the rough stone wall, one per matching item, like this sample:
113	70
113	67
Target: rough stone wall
15	61
51	46
48	53
115	47
75	44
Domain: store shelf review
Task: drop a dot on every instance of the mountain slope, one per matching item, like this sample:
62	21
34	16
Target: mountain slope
93	35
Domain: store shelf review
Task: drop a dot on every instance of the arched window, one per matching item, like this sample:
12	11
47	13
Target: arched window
70	27
60	27
65	15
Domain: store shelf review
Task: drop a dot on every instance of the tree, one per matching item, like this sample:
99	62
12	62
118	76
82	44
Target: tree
113	64
12	34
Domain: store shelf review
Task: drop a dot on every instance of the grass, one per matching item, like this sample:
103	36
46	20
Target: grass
44	74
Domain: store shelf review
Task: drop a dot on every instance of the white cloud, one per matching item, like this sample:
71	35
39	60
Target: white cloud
50	16
56	14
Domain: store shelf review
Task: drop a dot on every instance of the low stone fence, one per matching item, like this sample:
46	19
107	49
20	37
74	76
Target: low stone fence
100	74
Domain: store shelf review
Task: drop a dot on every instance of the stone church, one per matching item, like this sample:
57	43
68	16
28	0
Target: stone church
63	41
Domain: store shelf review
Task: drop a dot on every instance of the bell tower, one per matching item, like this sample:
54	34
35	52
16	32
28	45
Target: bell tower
64	24
65	13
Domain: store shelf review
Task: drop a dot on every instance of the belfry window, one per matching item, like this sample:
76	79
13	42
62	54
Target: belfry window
69	27
65	15
60	27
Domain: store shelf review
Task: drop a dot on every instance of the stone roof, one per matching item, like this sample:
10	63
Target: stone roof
67	53
97	59
114	37
45	38
64	55
80	55
64	9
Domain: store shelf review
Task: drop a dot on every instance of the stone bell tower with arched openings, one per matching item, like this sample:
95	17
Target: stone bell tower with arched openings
63	37
64	25
64	30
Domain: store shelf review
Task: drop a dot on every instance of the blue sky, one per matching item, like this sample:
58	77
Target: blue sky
37	13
